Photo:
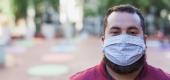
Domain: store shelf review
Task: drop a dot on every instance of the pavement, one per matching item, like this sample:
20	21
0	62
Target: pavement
59	59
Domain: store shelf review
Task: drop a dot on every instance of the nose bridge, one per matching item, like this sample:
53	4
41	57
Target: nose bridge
123	37
124	31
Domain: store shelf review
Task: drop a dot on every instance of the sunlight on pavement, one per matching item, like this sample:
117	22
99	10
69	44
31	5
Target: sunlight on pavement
167	54
58	58
63	47
48	70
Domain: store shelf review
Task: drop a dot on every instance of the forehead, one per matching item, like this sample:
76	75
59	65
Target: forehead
123	20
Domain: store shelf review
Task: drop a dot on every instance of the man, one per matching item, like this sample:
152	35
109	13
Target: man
124	49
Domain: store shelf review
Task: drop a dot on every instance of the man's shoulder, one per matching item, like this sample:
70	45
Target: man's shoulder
157	72
85	74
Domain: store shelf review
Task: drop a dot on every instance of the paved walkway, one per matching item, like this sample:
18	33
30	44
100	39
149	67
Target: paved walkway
43	61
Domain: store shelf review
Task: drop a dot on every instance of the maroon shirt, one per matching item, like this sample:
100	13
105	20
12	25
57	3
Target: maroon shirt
99	73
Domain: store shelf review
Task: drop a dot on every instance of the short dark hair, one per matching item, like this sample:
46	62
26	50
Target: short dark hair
125	8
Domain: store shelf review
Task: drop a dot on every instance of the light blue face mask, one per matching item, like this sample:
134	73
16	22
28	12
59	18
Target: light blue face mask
124	49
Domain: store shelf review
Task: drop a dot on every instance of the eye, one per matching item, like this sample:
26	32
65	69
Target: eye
133	32
114	33
115	30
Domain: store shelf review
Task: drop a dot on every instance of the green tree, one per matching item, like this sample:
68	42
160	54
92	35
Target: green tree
144	5
20	6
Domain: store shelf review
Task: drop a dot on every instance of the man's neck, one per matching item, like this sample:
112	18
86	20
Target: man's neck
116	76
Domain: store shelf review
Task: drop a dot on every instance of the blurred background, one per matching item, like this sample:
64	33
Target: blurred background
54	39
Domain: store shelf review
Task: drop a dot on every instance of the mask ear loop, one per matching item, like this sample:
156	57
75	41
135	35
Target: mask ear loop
145	46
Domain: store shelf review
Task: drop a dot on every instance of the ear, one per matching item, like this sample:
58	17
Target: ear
102	38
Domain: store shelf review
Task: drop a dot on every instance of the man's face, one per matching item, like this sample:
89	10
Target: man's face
123	23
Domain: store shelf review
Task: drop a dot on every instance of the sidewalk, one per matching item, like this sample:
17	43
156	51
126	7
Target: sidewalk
39	62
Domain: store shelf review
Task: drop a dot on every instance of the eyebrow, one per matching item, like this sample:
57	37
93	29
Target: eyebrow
133	27
115	27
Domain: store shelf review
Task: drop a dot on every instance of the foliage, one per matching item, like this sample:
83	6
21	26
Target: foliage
20	6
144	5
